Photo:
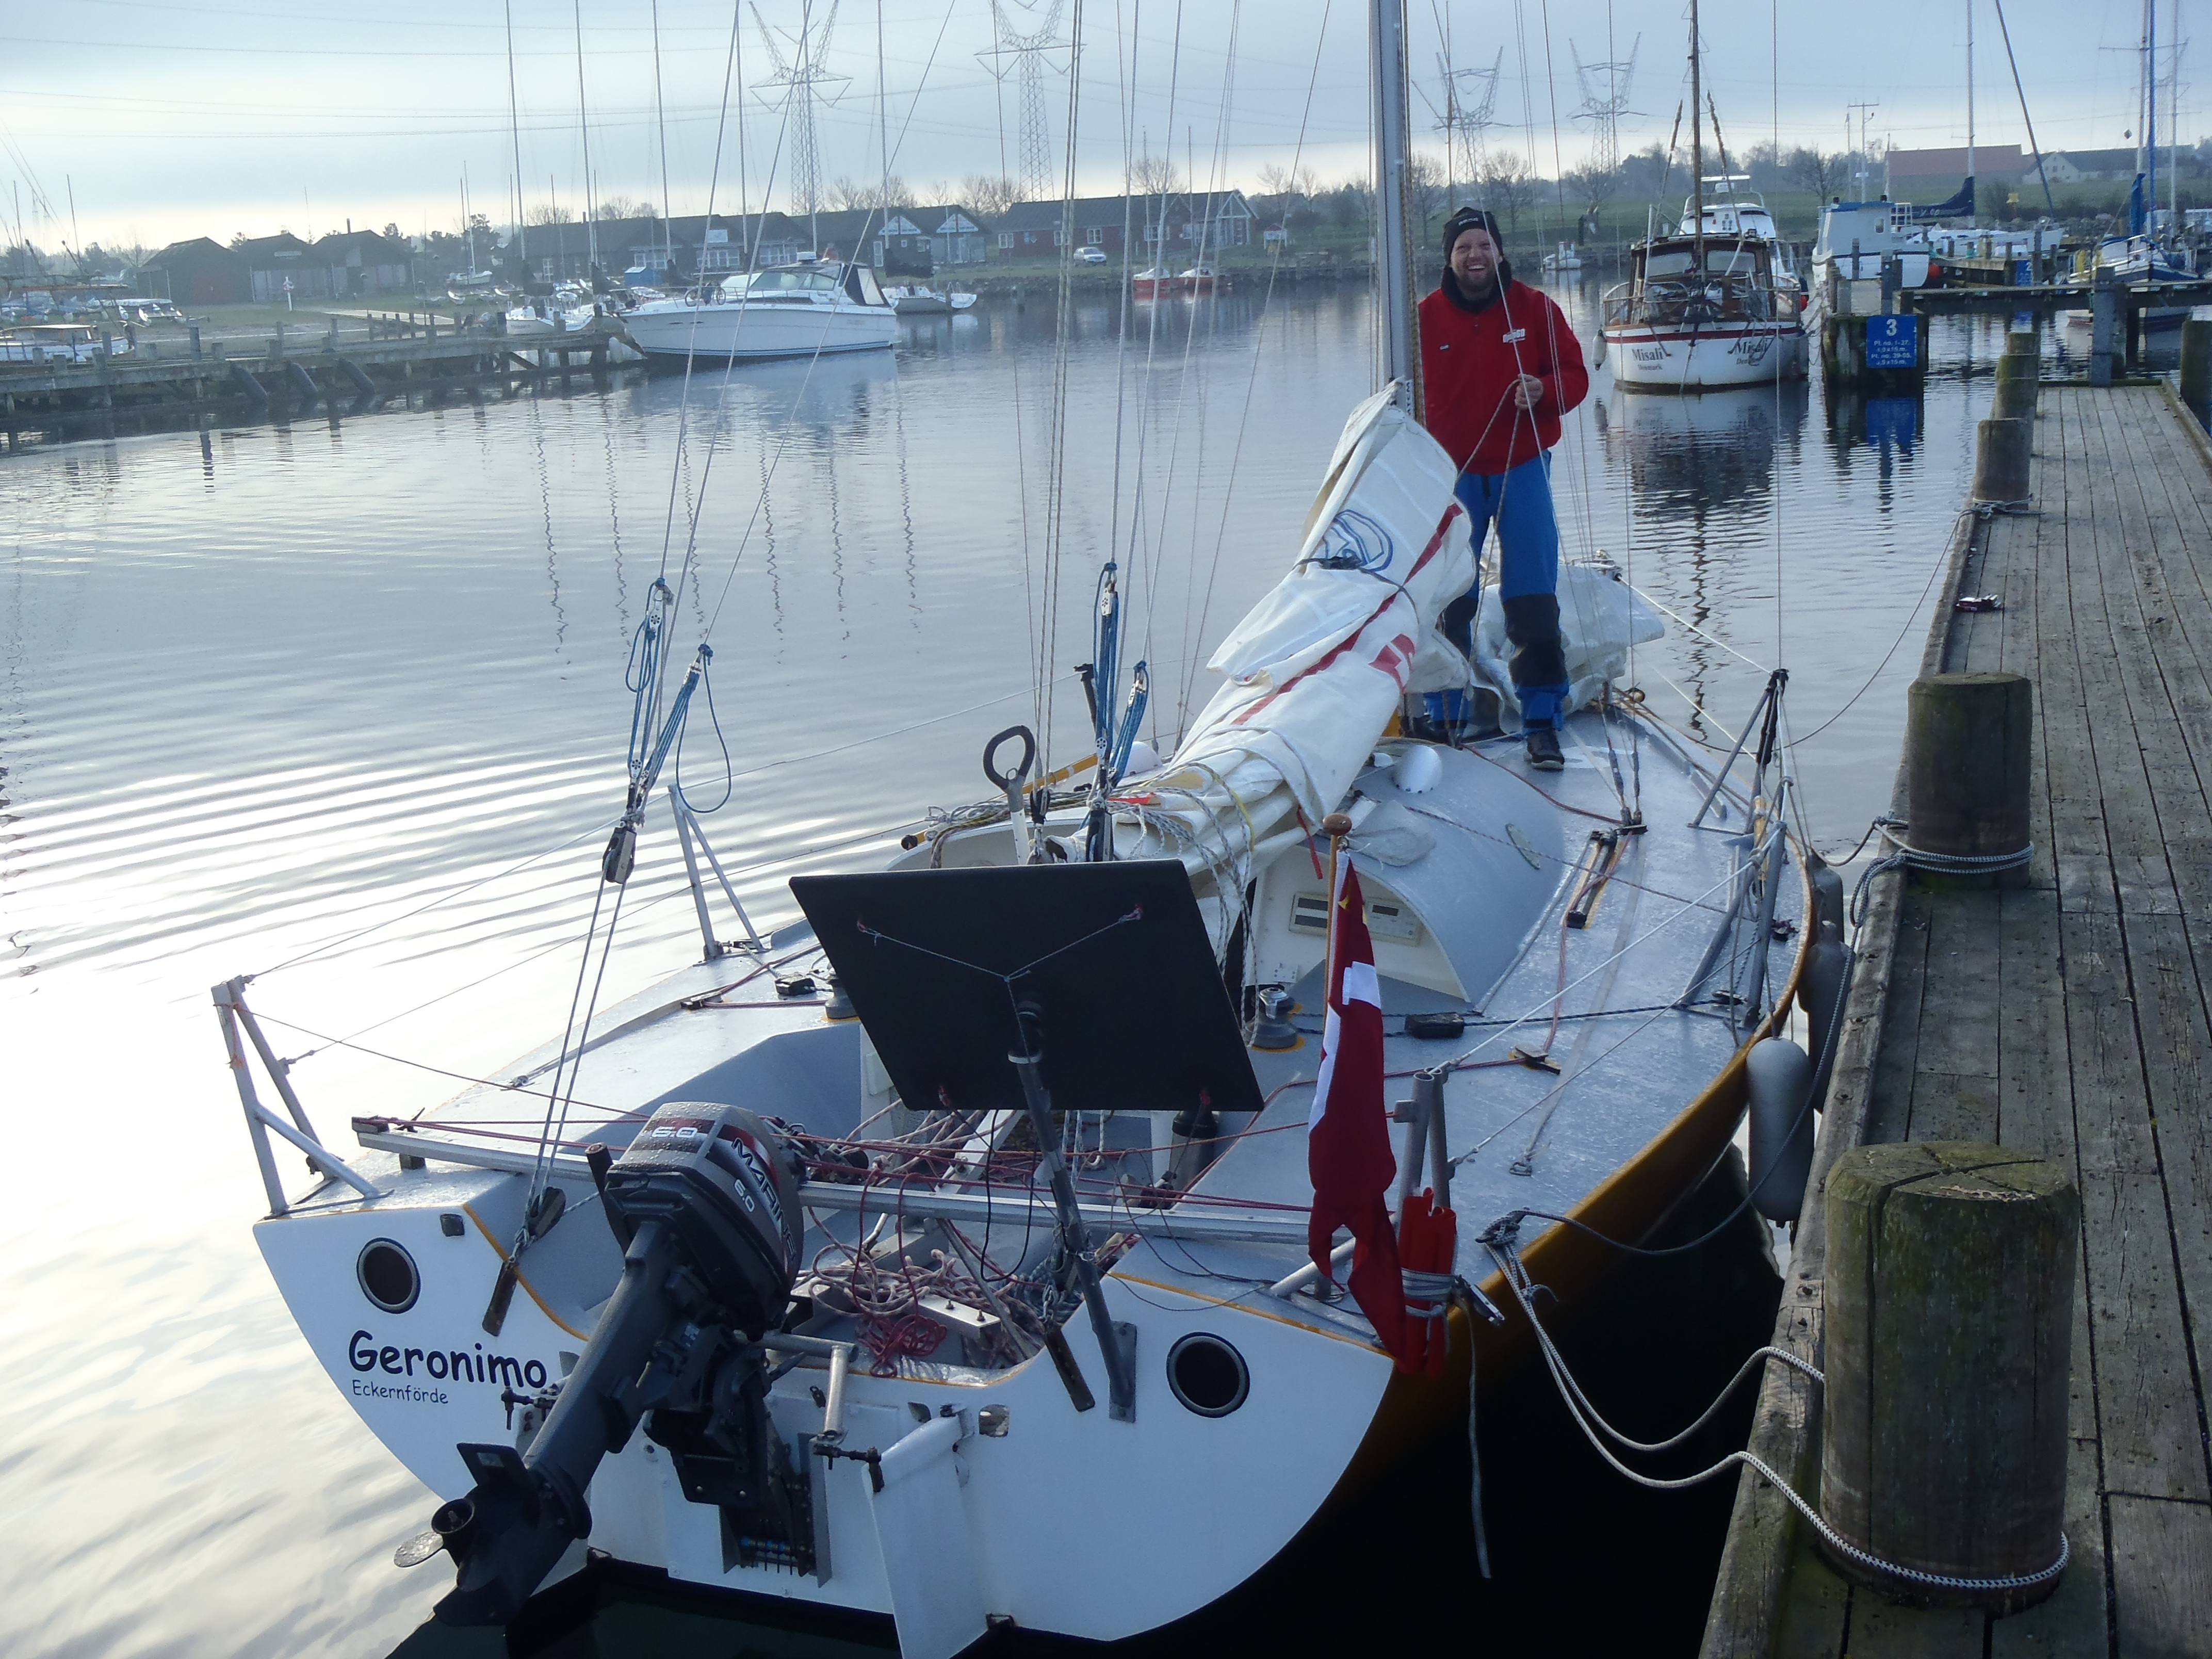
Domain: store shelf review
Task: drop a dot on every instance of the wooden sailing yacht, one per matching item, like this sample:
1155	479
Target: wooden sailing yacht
1713	304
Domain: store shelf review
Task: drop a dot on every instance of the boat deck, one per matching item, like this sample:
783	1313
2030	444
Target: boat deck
2071	1019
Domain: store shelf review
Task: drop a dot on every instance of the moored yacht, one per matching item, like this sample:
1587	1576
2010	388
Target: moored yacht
1717	302
962	1251
786	311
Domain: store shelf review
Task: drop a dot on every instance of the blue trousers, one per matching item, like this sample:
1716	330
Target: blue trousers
1519	503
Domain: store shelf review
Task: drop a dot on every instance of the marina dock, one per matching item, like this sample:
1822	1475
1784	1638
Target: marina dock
2067	1018
303	368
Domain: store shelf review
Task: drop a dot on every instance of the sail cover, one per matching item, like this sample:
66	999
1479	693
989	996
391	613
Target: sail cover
1313	674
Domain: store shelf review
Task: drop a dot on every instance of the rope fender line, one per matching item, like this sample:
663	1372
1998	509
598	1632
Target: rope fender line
1503	1251
1908	856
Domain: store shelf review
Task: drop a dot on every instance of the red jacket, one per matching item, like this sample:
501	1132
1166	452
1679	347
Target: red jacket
1468	362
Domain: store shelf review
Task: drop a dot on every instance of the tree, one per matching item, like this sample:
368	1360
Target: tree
1154	175
547	213
1352	202
392	232
984	196
847	194
1426	191
1287	187
1817	172
1509	185
1594	188
624	207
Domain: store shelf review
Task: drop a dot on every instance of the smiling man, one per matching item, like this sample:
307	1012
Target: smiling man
1499	366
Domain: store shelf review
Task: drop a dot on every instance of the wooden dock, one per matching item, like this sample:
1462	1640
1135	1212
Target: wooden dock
279	371
2070	1019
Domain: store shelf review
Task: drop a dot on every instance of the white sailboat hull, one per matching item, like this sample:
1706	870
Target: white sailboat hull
1675	357
1000	1496
759	329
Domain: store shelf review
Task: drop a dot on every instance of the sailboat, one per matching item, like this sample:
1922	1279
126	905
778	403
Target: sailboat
1715	302
947	1254
2142	256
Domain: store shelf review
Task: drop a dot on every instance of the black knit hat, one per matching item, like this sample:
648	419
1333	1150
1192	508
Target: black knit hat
1473	218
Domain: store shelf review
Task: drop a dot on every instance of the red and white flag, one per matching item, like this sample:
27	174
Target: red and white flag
1348	1134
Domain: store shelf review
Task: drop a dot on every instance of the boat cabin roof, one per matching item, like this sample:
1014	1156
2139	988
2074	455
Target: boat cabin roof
1725	256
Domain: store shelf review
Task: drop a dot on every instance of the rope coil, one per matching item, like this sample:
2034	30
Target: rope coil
1908	856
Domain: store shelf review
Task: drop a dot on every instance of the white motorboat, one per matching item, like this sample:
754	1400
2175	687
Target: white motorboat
1856	238
786	311
917	299
1563	259
928	1239
533	321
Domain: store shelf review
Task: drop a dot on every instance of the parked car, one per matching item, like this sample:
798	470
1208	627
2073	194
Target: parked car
1091	256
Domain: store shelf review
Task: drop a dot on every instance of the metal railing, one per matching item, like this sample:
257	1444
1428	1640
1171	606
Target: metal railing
233	1015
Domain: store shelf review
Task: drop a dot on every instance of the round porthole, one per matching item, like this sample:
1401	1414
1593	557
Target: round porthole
1208	1376
387	1275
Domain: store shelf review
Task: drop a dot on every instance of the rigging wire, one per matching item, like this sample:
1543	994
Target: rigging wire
1194	639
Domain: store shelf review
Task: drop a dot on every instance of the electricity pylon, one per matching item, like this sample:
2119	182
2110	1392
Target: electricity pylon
1467	114
798	76
1604	108
1030	52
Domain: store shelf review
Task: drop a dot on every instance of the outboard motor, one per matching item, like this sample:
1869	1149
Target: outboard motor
707	1206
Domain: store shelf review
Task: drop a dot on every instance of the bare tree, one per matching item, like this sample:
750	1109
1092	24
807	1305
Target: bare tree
986	194
1426	189
624	207
1817	172
1154	175
1290	186
846	194
1509	185
1593	188
548	213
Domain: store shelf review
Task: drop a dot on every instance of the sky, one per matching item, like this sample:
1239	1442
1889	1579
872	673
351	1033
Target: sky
141	122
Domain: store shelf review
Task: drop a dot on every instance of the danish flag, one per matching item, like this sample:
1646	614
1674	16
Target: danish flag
1348	1134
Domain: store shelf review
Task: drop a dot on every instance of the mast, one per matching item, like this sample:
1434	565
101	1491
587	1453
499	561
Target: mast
584	126
1696	148
2173	127
2150	115
1970	112
1400	352
514	126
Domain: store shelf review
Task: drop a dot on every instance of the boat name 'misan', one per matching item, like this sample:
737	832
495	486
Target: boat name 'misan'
473	1365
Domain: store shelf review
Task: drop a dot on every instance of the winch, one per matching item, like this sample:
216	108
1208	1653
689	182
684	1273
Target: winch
706	1205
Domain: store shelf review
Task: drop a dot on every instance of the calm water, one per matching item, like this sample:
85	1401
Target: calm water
269	691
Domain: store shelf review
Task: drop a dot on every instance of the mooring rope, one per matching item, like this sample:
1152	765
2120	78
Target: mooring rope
1908	856
1503	1252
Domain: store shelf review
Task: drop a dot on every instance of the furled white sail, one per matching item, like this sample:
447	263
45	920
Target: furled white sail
1316	670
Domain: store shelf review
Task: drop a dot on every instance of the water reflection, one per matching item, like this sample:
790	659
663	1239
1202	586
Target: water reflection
1705	456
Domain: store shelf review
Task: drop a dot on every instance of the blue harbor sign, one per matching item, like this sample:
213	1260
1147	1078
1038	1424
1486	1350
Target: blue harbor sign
1893	341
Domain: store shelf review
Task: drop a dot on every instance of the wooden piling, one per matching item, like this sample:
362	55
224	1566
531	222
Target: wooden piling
2197	364
1950	1303
2001	452
1966	765
2015	399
